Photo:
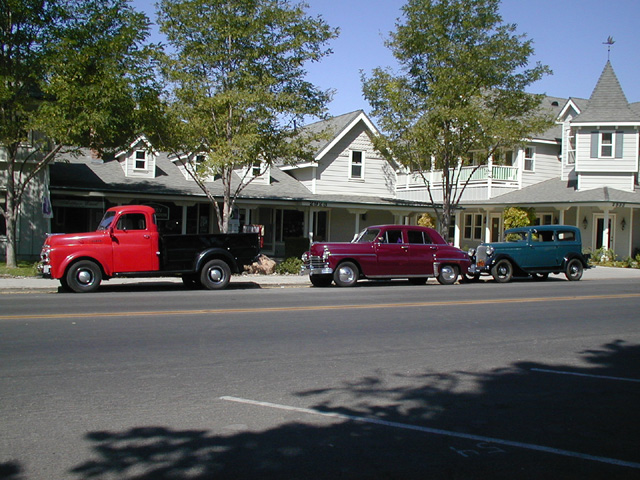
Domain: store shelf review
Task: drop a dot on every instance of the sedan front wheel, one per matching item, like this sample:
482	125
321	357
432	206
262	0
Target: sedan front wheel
346	275
502	271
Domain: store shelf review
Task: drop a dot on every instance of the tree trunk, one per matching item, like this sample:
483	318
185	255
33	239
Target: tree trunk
11	214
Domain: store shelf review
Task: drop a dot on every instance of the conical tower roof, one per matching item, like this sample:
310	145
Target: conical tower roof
608	102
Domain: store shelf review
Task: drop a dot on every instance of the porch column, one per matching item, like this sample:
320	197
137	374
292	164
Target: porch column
357	212
184	219
561	215
606	234
458	231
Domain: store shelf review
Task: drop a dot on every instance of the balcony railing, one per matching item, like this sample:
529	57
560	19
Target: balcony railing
499	173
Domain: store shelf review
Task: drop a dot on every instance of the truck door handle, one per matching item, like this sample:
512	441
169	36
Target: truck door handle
146	236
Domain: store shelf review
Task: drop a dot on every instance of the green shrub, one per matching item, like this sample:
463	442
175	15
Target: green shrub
291	265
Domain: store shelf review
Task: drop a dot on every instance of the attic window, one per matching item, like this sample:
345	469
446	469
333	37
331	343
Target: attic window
554	104
200	159
141	160
356	170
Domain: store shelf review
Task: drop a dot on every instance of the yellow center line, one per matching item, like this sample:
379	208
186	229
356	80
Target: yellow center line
306	308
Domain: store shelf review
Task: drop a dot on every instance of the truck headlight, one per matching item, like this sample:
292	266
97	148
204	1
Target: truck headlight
471	252
490	250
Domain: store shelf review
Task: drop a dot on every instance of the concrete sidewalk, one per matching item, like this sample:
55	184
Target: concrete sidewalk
25	284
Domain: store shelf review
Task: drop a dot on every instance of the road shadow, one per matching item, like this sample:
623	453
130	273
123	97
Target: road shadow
430	425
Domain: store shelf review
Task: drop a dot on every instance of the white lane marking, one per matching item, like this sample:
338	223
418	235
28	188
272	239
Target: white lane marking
605	377
435	431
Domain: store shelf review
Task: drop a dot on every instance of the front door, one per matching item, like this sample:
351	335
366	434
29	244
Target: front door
495	228
599	240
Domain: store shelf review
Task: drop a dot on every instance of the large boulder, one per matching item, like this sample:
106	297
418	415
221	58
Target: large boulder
263	266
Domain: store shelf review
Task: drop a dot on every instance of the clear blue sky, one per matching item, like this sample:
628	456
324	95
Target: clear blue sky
567	35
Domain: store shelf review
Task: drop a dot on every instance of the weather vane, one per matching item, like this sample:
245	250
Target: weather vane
610	41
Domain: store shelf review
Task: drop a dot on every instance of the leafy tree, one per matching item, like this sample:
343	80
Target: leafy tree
238	90
72	72
460	91
519	217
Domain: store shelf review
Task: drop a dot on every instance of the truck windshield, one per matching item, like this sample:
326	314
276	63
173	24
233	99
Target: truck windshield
366	236
106	220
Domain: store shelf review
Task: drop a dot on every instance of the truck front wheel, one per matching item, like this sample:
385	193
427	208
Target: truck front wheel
83	277
215	275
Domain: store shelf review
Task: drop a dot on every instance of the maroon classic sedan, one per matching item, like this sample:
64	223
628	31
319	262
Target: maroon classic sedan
384	252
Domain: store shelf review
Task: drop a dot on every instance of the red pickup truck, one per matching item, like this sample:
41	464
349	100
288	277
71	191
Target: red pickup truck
384	252
128	244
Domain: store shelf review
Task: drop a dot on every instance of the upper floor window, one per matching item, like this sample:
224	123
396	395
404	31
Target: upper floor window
529	159
606	144
571	151
356	167
140	160
200	158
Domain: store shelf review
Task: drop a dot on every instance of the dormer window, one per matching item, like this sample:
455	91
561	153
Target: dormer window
140	160
256	169
200	159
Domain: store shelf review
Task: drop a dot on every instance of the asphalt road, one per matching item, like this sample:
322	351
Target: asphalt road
385	380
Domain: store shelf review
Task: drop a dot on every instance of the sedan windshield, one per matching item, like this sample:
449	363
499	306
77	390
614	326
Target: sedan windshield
367	236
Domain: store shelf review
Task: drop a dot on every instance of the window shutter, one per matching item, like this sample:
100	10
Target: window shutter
594	144
619	143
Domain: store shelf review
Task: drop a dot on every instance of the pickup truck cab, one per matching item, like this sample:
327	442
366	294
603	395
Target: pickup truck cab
531	251
386	252
127	243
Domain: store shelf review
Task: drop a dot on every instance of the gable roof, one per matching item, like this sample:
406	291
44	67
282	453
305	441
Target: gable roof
608	102
336	128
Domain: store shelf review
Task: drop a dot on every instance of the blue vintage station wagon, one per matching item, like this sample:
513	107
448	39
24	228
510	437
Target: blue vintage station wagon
531	251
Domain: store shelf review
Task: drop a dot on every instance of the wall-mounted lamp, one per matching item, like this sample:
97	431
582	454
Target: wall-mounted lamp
585	223
623	223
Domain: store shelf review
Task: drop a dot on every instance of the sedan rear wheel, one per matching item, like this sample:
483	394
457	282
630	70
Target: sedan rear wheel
574	270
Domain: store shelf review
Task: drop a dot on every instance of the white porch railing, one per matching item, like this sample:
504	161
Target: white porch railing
499	174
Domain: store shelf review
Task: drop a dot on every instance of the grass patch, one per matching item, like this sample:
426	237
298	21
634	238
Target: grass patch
24	269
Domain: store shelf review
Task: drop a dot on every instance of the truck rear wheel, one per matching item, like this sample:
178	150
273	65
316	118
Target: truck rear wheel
83	277
215	275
